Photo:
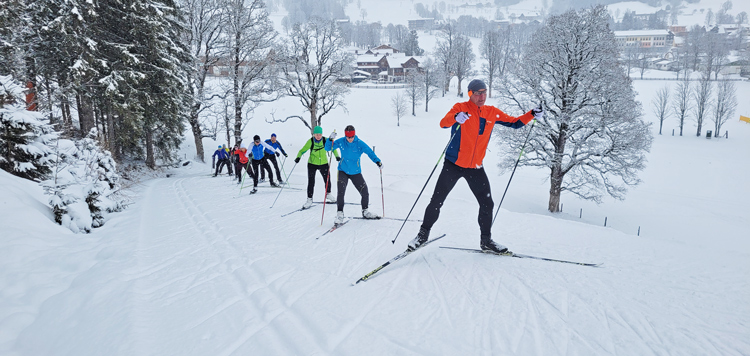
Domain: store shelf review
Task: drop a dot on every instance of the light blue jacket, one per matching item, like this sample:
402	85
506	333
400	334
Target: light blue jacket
350	153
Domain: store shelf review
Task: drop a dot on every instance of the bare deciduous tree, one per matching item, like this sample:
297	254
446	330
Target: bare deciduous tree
203	19
414	89
592	138
398	103
463	60
660	105
431	85
701	96
726	103
681	105
250	38
314	60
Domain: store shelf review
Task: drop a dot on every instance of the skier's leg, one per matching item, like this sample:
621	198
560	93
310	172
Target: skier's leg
256	164
265	166
325	173
359	182
480	186
341	187
448	178
311	169
275	166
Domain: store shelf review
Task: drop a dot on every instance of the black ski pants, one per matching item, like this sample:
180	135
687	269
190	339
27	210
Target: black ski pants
220	166
479	185
238	168
258	166
359	182
323	169
271	158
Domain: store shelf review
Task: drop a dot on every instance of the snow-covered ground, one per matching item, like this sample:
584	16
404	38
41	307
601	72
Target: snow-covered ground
196	267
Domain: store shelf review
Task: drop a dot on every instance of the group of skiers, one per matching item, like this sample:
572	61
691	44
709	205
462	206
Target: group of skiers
471	125
254	160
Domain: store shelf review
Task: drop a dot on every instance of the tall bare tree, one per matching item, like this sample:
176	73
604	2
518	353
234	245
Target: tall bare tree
495	50
660	105
463	60
431	84
250	39
444	52
203	18
592	138
398	103
725	104
314	59
701	97
414	89
682	105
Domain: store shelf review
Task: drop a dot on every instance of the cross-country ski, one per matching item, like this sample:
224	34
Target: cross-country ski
398	257
518	255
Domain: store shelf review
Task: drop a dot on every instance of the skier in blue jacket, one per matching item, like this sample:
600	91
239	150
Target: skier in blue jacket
271	155
352	148
257	152
223	160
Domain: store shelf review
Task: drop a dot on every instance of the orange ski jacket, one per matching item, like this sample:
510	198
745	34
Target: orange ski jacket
470	140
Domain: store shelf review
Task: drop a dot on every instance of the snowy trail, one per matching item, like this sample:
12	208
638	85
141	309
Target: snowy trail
195	269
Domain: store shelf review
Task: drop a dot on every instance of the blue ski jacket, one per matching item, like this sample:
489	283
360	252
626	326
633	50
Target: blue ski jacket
257	151
350	154
221	153
276	146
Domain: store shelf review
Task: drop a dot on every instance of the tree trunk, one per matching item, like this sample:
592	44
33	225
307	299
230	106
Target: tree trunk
555	188
197	135
85	114
458	88
150	160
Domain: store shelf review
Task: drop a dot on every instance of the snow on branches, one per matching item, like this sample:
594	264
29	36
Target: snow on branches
83	185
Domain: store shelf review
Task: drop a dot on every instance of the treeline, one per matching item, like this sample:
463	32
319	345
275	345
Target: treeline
115	66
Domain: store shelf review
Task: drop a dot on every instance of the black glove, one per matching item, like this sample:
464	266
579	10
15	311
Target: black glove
278	154
379	163
338	159
212	166
286	155
296	160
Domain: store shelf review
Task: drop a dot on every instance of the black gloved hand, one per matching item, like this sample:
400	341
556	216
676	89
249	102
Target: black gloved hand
379	163
338	159
286	155
296	160
278	154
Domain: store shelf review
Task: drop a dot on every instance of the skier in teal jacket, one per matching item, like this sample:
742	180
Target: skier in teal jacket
352	148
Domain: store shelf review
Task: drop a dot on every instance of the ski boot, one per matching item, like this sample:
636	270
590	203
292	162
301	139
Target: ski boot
488	245
419	240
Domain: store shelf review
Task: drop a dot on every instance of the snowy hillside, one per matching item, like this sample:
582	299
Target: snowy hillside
197	266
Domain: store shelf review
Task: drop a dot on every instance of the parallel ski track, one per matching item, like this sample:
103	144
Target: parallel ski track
212	236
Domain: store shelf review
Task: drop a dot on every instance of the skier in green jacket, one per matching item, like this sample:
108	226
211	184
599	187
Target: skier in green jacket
318	161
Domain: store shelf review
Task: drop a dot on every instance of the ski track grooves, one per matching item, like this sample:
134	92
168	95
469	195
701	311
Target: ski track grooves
213	236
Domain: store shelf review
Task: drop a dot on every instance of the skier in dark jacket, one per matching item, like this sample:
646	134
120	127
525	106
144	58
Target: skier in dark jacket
223	160
352	149
257	154
270	156
471	124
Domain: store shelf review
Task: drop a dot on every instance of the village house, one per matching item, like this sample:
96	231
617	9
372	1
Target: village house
386	64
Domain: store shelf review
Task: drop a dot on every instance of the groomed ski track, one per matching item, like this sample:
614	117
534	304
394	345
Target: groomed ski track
191	271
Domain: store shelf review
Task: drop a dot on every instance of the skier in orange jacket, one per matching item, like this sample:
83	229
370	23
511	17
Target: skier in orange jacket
471	124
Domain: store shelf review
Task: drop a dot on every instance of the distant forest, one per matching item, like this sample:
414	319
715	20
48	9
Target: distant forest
559	6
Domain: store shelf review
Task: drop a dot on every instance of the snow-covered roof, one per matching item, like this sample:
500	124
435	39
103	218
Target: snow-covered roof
641	33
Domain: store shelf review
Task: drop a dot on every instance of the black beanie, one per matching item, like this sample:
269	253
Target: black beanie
256	138
476	84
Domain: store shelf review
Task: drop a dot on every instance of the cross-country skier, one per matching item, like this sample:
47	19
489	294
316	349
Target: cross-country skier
223	160
270	156
352	149
241	161
471	124
257	154
317	162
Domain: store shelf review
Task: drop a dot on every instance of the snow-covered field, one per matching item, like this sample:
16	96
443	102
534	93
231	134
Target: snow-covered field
196	267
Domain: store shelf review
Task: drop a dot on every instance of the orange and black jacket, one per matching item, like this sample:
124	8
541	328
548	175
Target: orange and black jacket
469	143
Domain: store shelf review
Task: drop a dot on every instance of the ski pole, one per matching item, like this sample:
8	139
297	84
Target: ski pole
382	195
512	173
243	178
286	177
328	180
425	183
282	187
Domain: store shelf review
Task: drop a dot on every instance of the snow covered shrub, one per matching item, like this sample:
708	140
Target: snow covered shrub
83	185
24	137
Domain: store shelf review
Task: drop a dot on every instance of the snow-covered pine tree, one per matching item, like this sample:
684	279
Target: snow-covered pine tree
25	138
592	138
83	185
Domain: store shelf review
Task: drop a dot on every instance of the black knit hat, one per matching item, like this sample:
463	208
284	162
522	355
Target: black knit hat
256	138
477	84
